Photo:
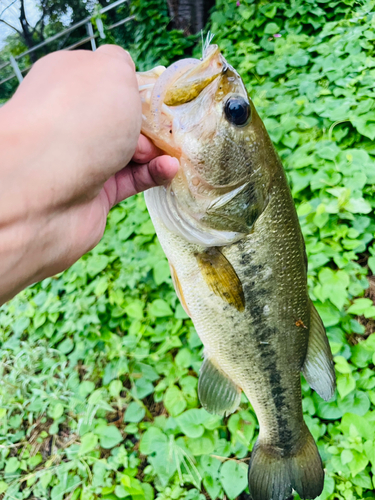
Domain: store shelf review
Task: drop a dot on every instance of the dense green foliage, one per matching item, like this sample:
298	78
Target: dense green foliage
99	365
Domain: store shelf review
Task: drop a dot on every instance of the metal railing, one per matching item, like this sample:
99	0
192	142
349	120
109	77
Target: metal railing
13	60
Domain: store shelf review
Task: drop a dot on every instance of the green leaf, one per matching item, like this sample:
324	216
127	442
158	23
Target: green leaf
210	470
134	413
148	491
369	448
329	314
190	422
46	478
109	436
146	228
203	445
32	462
328	151
180	312
101	286
88	443
346	456
345	384
96	264
360	306
152	440
160	309
115	387
135	309
329	487
132	485
3	487
121	492
371	264
358	463
115	369
174	401
212	486
233	477
242	426
342	365
66	346
361	354
327	411
358	205
57	411
12	464
365	427
334	285
184	358
96	397
161	455
362	479
142	388
162	273
15	421
356	402
300	58
86	387
271	28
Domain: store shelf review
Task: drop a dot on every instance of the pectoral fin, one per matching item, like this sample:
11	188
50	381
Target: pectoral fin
221	278
318	367
217	392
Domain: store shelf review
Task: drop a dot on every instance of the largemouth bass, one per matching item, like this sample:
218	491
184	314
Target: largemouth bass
229	229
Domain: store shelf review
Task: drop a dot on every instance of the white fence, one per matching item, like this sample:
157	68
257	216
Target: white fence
13	62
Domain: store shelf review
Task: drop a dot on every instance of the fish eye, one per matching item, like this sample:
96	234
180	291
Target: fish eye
237	110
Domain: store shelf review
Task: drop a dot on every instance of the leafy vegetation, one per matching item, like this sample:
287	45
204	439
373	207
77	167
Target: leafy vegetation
99	365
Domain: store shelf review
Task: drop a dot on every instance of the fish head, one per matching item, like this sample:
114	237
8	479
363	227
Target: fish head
199	111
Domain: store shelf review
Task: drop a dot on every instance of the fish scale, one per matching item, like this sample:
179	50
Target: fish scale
229	228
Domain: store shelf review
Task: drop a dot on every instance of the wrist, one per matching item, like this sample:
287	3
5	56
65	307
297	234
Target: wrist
17	269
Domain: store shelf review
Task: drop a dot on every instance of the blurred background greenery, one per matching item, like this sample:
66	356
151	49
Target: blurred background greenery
99	365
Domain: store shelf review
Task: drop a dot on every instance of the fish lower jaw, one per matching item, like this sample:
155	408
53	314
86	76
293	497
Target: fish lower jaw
163	205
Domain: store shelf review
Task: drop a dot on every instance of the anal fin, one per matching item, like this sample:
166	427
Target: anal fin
318	367
217	392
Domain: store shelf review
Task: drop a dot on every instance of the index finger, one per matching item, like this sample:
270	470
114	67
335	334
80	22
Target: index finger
115	51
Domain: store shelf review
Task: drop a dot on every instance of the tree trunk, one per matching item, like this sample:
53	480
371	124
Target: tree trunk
27	36
189	15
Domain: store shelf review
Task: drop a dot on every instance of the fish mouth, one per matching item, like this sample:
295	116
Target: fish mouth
192	82
180	83
163	89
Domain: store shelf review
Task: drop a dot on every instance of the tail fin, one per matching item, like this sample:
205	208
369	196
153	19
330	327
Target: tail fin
272	475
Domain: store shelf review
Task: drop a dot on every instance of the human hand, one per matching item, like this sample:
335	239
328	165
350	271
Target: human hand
70	148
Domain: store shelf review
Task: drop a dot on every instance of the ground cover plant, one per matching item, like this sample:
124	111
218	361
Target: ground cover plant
99	364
